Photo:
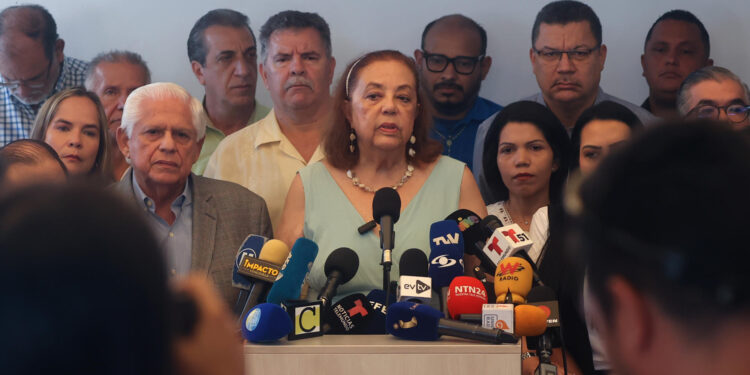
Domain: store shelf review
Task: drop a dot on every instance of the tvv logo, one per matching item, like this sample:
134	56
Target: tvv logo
447	239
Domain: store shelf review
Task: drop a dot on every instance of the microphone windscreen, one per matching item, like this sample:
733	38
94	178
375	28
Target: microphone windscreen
289	284
376	325
525	255
446	253
350	314
489	224
468	225
266	322
413	321
386	202
413	263
544	297
529	320
344	260
274	251
541	293
252	246
466	295
513	275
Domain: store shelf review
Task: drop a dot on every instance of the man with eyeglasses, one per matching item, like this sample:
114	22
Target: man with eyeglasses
32	68
452	64
567	57
715	93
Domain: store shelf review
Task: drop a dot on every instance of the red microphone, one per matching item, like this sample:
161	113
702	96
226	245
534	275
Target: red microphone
466	295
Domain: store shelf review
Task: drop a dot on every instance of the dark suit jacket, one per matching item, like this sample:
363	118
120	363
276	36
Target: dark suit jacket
224	213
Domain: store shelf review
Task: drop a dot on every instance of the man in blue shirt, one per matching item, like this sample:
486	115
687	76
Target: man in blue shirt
32	68
452	64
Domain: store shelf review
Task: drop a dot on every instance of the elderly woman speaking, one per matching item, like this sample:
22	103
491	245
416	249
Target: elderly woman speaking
378	139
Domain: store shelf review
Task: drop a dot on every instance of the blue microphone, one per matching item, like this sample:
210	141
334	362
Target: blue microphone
446	257
446	253
251	246
266	322
414	321
289	285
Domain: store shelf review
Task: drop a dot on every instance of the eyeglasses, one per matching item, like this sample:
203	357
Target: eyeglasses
555	55
437	63
37	82
735	112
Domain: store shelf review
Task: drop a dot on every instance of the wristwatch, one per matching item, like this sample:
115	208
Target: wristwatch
527	355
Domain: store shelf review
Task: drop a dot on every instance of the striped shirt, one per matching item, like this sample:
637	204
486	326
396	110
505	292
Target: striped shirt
17	119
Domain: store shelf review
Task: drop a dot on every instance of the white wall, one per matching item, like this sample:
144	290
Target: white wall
158	30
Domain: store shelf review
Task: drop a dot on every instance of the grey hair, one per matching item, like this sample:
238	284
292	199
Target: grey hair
131	113
713	73
115	56
293	19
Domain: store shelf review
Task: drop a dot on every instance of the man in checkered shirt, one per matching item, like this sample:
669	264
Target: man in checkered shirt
32	68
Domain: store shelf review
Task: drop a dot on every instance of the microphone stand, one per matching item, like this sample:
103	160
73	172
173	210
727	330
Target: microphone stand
386	261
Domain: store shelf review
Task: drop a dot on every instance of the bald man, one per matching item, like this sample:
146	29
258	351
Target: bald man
452	63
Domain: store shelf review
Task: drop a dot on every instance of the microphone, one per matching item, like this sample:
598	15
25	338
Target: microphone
289	285
350	314
505	241
264	270
252	247
446	257
513	280
471	228
340	267
266	322
414	321
544	297
376	324
414	285
466	295
386	209
529	320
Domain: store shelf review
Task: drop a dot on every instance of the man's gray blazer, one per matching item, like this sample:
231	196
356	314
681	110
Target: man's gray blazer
224	213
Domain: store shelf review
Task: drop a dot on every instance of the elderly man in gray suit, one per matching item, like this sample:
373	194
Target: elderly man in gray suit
200	222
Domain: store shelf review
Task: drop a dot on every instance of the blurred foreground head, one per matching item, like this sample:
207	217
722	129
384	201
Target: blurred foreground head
82	283
663	223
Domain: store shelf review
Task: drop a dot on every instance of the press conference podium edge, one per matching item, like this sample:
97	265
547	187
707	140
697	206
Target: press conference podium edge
381	354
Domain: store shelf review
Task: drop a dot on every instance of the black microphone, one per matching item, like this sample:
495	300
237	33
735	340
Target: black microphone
414	285
340	267
350	314
386	209
537	281
476	233
545	297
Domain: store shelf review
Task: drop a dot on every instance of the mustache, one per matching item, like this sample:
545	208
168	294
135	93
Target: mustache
448	85
298	81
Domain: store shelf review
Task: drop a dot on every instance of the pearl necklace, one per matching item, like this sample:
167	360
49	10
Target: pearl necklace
355	180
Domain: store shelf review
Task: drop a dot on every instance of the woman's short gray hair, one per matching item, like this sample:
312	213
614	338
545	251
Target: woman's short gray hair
712	73
131	113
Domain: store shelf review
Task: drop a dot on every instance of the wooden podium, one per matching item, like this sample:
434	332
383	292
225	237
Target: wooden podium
381	355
